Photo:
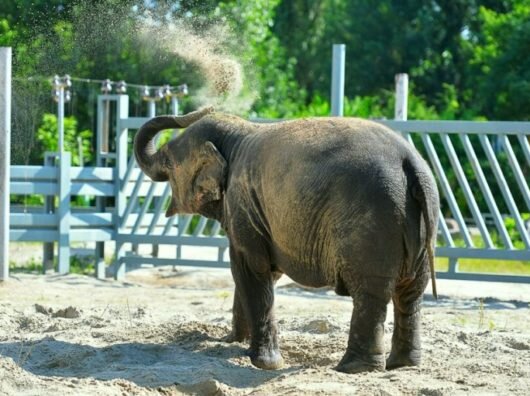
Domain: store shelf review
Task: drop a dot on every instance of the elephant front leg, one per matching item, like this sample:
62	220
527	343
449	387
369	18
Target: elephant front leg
240	329
365	345
256	292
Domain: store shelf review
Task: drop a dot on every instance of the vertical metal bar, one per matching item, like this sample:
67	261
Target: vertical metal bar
158	210
401	106
468	194
446	188
486	191
64	213
49	207
216	228
442	225
169	225
174	105
220	255
119	192
102	146
517	171
505	189
5	158
402	93
183	224
143	209
151	108
105	131
60	120
199	229
523	139
337	79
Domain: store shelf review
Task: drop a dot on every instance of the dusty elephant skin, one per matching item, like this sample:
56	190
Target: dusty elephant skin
332	201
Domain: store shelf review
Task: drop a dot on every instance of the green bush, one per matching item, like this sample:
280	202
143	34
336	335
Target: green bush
48	137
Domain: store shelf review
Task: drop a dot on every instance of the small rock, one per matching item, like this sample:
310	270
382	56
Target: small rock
68	313
320	326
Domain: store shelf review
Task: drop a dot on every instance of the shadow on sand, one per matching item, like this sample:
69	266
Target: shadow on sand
187	360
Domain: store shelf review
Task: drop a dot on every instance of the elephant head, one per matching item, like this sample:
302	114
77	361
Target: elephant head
193	166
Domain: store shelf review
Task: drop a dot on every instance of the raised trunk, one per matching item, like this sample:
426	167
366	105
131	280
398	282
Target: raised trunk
148	158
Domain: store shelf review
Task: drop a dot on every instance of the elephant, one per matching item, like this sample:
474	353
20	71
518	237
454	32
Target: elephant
334	201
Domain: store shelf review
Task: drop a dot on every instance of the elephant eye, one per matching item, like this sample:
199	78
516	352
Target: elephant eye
168	163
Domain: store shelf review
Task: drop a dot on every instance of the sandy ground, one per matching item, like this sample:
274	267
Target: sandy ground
160	332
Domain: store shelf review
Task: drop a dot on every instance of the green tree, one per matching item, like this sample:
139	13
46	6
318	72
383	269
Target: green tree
75	141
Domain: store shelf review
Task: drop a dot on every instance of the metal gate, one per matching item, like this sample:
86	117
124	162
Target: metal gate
482	169
139	207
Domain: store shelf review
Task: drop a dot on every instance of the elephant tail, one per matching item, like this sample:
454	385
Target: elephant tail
425	192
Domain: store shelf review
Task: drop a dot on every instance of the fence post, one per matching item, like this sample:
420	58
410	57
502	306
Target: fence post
102	149
337	79
119	190
50	159
64	212
5	157
402	93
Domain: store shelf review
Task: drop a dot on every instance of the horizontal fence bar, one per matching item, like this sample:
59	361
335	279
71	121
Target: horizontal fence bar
51	235
33	172
481	277
39	173
38	188
136	260
133	122
173	240
483	254
469	127
92	174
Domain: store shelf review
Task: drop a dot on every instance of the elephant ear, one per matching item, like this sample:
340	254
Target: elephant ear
210	173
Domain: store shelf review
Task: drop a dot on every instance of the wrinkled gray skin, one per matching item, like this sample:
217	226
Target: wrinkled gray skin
335	202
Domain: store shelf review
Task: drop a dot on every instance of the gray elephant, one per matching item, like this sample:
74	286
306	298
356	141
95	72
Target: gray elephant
341	202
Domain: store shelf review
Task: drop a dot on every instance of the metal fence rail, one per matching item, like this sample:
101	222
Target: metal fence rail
488	195
482	169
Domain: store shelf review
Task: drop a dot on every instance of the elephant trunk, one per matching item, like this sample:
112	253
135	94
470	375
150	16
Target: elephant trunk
148	158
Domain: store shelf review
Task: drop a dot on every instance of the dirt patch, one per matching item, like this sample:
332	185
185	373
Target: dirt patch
162	331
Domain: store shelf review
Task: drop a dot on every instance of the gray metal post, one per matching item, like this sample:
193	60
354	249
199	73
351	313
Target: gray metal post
102	148
60	120
64	213
337	79
174	105
151	114
5	158
120	169
50	159
402	93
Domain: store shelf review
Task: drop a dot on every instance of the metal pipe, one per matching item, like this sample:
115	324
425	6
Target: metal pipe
337	79
60	120
402	92
5	157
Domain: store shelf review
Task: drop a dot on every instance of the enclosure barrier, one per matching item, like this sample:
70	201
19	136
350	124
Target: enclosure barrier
481	167
487	193
5	145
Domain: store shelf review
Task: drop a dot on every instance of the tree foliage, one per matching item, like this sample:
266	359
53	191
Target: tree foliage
467	58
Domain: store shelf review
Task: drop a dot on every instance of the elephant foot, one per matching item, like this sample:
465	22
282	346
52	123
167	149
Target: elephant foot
403	359
235	337
351	364
269	360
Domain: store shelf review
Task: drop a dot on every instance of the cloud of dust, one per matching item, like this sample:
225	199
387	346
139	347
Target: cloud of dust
222	72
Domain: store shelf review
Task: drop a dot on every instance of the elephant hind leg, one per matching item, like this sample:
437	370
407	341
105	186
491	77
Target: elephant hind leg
365	350
406	344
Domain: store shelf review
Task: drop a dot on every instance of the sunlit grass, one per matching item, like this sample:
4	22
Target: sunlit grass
486	266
